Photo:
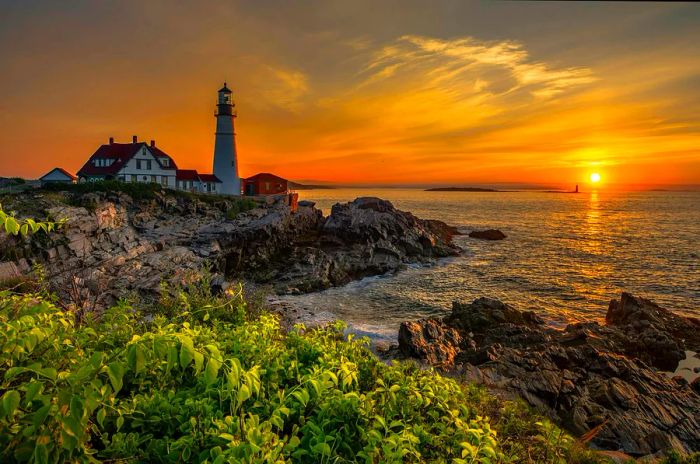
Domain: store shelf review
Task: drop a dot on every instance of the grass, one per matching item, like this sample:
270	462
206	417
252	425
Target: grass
231	206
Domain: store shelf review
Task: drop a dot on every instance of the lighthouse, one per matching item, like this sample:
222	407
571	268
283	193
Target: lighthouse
225	158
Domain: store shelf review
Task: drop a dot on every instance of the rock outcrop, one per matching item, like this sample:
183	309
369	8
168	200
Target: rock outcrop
586	376
489	234
113	246
361	238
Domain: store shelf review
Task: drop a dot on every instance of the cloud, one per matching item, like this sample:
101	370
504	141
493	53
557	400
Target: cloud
284	88
494	66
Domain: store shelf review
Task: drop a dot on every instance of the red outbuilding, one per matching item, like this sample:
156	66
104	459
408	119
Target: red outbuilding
265	184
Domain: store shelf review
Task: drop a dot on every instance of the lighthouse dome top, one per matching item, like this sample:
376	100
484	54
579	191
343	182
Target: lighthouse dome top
225	89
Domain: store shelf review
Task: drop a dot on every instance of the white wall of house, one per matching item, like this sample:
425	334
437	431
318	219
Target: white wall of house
136	170
189	185
210	187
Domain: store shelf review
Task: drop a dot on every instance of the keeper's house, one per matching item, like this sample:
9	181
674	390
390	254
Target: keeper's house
140	162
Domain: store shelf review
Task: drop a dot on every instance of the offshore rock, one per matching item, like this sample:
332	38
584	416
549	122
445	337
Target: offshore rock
490	234
586	376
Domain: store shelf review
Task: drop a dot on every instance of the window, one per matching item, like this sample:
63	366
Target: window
145	178
164	180
267	186
148	164
133	178
154	179
165	162
138	164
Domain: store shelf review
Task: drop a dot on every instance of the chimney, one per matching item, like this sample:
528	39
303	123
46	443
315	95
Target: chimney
153	143
134	139
111	140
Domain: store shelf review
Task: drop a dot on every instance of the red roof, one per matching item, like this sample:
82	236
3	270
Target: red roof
266	176
121	153
62	171
158	153
209	178
186	174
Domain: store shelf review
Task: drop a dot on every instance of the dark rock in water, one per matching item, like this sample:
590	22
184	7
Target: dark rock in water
587	375
489	234
306	203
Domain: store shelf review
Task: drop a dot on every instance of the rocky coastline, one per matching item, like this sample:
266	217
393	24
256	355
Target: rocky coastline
112	245
607	383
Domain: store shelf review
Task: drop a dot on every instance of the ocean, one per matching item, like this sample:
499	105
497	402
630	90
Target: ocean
566	256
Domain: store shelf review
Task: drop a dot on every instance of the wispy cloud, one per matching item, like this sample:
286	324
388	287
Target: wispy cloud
285	88
492	66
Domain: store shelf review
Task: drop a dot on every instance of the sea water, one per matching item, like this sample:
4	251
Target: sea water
566	256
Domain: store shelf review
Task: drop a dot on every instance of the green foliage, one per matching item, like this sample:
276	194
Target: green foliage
18	181
675	458
137	191
207	390
14	226
200	380
238	206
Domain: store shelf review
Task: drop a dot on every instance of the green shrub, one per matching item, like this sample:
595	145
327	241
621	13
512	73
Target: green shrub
675	458
11	225
240	205
207	390
137	191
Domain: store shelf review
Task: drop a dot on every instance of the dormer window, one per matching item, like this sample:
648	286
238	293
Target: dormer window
165	162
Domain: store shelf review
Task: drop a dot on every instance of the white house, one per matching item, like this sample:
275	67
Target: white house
57	176
143	163
130	162
191	181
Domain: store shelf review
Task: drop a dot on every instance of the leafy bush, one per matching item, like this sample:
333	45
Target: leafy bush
137	191
11	225
239	206
216	391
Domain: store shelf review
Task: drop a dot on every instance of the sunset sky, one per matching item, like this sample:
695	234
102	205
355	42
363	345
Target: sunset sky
367	92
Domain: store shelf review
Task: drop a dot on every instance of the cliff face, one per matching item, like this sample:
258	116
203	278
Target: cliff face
112	246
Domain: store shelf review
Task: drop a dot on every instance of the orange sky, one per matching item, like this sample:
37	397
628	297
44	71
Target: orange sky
396	93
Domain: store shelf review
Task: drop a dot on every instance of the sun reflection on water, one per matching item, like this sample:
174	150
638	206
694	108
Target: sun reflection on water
566	256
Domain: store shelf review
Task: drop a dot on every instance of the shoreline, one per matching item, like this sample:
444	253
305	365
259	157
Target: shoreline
369	238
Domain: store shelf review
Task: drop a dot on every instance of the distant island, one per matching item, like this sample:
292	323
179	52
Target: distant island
297	186
461	189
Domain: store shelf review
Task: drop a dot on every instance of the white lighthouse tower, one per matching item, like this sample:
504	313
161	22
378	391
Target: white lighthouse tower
225	158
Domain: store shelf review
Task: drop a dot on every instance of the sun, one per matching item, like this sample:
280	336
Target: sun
595	177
